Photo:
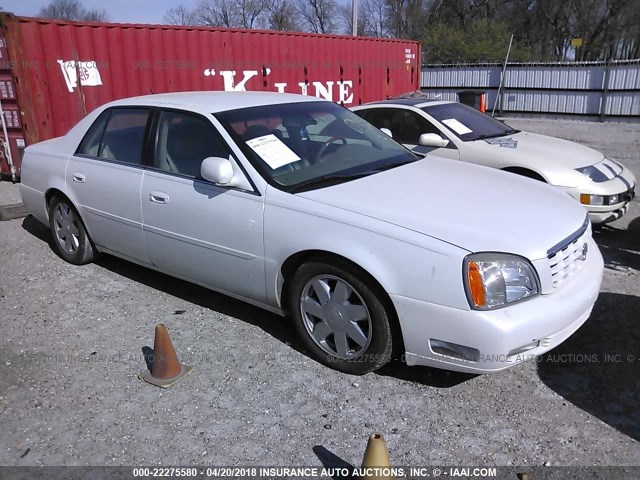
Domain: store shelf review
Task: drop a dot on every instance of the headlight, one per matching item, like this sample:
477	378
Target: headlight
494	280
593	173
587	199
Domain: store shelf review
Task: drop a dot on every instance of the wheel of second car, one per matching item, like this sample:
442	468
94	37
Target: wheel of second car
340	318
70	238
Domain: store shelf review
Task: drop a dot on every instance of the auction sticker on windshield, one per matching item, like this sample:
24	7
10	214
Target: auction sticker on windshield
458	127
273	151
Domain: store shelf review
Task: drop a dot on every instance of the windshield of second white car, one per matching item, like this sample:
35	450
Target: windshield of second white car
466	123
308	145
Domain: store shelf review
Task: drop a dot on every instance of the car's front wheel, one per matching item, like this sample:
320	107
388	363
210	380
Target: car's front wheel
340	318
70	238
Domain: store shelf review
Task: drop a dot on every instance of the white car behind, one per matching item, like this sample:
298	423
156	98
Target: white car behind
456	131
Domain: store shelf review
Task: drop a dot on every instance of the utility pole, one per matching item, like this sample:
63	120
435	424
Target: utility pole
354	18
502	75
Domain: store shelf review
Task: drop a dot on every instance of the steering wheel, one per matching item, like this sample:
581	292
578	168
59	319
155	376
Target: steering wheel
325	145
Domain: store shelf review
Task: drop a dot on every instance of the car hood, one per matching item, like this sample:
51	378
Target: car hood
545	149
473	207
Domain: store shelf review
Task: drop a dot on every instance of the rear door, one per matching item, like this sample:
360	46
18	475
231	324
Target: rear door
105	176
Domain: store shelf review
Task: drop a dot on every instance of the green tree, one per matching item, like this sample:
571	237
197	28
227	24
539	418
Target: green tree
481	41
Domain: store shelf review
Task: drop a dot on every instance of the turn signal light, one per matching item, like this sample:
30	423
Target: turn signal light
476	285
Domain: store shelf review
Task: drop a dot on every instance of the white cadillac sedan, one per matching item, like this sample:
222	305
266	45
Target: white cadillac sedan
453	130
301	207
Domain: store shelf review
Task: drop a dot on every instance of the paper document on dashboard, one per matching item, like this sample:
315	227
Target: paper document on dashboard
273	151
457	126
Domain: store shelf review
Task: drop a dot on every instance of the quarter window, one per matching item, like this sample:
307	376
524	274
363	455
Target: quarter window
91	141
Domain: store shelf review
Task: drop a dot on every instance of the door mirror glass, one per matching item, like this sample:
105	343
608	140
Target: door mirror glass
432	140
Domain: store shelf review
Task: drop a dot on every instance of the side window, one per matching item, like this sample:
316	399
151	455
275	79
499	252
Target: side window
123	136
378	117
407	126
117	134
184	140
91	142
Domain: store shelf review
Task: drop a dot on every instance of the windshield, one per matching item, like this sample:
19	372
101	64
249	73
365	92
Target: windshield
466	123
306	145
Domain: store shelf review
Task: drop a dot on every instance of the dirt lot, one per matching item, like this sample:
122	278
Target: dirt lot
71	350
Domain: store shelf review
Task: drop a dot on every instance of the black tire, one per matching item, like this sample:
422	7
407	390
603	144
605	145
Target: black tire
340	280
70	238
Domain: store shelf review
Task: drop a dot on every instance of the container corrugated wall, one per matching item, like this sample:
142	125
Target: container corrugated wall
65	69
588	88
450	76
625	77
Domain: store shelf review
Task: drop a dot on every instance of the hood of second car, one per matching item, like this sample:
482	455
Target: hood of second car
544	151
473	207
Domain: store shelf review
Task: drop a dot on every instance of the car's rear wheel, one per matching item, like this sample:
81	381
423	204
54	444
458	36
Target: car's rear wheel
70	237
340	318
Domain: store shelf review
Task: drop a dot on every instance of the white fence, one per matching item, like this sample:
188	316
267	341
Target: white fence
585	88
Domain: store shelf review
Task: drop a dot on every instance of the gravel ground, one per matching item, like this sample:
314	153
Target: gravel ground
71	351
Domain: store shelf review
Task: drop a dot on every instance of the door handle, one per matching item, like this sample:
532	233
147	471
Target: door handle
159	197
78	177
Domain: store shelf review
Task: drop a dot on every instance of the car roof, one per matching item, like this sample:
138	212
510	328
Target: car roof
214	101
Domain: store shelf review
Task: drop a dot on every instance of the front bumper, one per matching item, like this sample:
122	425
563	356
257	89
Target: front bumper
490	341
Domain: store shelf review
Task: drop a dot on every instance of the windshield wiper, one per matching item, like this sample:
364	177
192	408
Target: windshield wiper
328	180
496	135
334	179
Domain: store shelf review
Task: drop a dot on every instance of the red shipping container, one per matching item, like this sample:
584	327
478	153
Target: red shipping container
63	70
11	116
7	88
16	146
4	54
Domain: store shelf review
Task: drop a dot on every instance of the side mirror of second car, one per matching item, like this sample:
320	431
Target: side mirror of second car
217	170
432	140
387	131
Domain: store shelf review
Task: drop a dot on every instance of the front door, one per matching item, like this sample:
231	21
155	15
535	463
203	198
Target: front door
194	229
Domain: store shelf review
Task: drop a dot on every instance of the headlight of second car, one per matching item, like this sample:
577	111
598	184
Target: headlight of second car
494	280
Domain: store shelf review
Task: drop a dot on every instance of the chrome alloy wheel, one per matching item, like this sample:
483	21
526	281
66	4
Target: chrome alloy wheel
335	316
66	228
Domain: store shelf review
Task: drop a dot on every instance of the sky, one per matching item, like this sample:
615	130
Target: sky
119	11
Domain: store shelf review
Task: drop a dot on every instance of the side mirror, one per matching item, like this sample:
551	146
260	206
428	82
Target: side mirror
387	131
217	170
432	140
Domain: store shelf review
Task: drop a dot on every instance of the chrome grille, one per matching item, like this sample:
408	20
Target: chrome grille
567	258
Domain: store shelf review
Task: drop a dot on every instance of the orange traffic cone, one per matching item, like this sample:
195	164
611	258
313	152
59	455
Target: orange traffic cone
483	103
376	456
165	366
